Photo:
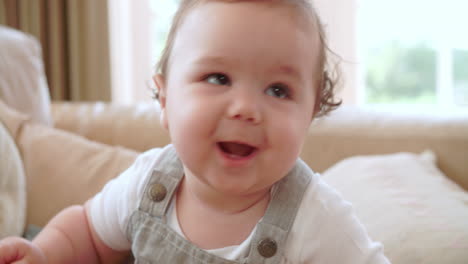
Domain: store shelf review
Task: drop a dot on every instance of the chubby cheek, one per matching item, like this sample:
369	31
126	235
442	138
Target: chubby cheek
184	124
182	110
289	138
184	131
190	128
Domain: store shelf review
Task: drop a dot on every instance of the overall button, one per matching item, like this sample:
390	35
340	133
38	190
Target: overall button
157	192
267	248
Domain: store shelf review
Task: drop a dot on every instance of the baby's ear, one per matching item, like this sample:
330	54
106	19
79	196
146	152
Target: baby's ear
160	91
160	84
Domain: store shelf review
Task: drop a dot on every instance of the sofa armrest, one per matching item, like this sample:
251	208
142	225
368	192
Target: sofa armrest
132	126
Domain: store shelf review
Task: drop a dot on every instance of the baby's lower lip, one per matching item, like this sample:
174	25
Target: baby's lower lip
237	157
236	148
236	160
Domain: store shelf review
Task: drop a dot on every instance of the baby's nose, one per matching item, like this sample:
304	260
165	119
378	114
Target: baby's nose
245	109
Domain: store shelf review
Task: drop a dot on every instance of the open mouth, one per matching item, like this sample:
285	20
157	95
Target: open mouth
235	149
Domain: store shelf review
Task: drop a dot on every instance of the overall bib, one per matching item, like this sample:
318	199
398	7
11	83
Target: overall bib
153	241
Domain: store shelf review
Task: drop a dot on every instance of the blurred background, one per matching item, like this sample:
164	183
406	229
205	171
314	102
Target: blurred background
396	54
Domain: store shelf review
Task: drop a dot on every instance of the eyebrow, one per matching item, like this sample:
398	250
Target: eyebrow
216	60
219	60
288	70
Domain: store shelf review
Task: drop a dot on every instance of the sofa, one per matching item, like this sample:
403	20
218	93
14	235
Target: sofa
404	172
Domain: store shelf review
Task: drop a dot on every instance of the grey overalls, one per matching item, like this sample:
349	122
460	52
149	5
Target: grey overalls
153	241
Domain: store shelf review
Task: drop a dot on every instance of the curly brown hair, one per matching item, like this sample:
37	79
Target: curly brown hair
328	69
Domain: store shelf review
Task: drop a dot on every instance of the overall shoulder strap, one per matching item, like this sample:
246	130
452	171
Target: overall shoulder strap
165	176
272	231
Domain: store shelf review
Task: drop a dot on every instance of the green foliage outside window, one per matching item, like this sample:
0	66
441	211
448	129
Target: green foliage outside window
460	72
399	74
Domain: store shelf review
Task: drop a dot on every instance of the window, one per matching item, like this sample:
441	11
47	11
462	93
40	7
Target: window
162	13
131	63
138	31
414	52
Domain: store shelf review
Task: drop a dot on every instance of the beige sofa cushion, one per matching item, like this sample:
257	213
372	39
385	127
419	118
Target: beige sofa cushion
111	123
407	203
61	168
12	187
351	131
23	84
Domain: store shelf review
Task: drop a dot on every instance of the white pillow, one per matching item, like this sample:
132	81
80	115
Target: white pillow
12	187
406	203
23	84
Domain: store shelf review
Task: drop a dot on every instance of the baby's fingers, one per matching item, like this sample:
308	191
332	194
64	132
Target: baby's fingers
19	251
10	250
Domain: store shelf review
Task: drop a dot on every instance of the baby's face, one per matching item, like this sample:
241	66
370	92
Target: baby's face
240	94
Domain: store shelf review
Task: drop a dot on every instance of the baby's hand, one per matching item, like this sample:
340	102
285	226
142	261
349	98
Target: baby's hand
20	251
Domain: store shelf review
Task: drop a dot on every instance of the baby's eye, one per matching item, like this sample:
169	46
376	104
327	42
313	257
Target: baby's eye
218	79
279	90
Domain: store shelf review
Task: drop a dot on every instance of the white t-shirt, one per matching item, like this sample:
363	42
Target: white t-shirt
325	229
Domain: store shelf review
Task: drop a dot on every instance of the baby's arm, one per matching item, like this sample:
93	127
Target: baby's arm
68	238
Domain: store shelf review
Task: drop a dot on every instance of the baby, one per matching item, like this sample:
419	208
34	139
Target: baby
239	84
